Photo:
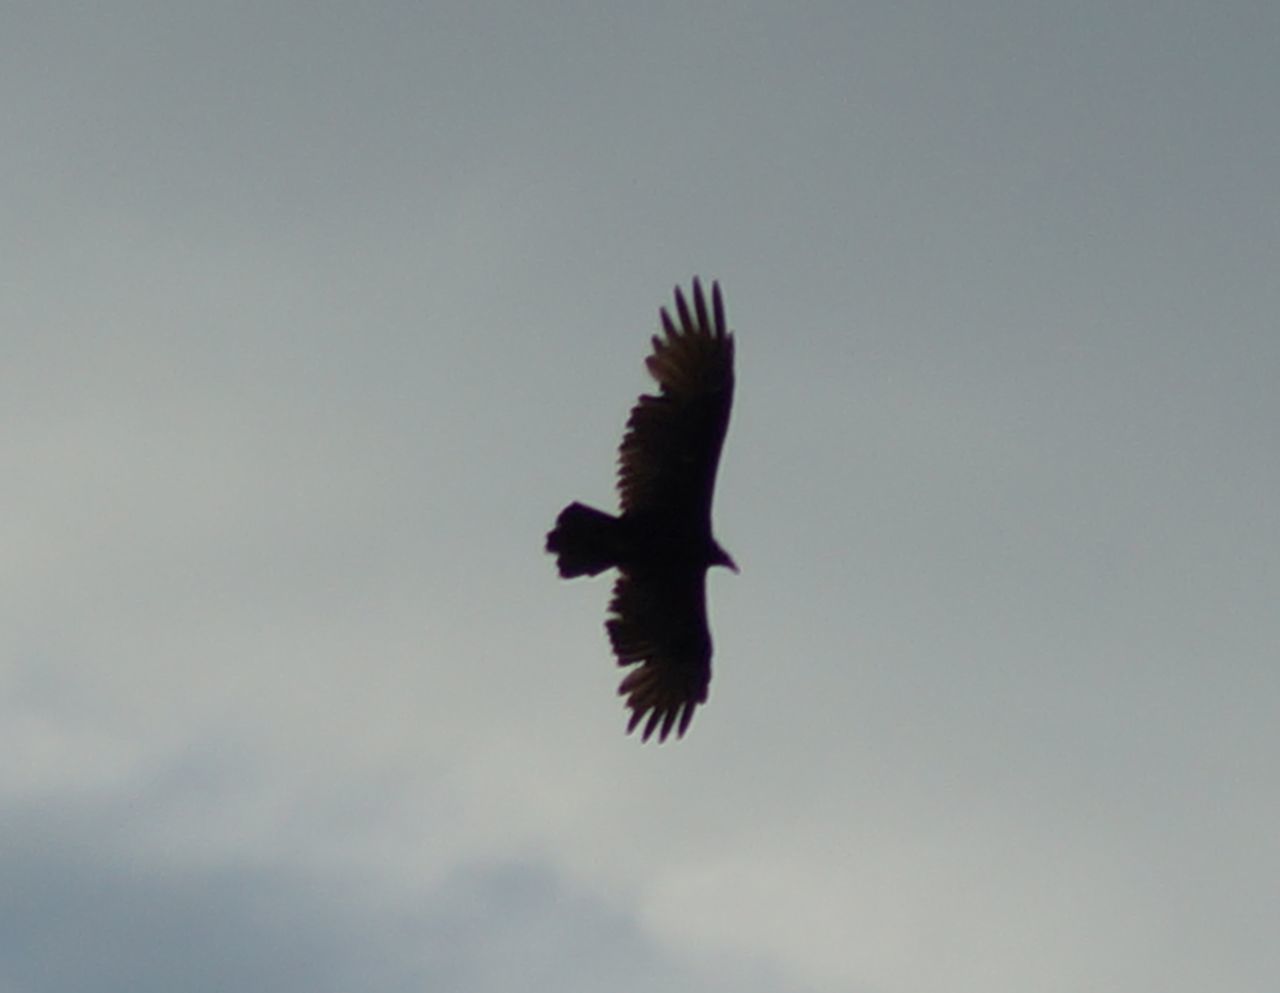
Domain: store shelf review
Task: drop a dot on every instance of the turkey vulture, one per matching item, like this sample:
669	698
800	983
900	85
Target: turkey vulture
661	543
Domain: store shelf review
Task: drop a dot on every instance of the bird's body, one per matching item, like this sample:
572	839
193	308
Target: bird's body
661	543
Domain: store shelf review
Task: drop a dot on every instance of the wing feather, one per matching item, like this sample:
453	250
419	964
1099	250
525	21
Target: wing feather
671	449
660	627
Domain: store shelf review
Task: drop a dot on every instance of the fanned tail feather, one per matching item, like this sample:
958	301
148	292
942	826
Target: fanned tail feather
585	541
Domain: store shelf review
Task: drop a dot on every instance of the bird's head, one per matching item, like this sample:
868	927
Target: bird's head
720	557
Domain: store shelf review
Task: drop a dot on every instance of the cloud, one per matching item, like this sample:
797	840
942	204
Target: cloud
84	911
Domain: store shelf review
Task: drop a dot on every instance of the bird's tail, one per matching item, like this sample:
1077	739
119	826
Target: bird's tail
585	541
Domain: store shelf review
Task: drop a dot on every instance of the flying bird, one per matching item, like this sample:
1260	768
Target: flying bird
661	543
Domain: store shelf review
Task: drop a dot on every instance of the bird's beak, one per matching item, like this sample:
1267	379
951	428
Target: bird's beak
720	557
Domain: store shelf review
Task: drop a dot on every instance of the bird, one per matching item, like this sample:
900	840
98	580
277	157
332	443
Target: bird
661	542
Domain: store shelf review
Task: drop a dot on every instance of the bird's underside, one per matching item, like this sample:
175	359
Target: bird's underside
661	542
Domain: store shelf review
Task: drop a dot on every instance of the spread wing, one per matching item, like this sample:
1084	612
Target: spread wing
660	625
671	448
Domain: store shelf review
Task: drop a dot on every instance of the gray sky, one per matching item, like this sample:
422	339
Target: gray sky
315	315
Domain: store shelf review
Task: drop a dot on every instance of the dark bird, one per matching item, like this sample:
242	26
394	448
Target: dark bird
661	543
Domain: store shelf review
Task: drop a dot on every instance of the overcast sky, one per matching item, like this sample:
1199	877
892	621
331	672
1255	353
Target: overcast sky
313	317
